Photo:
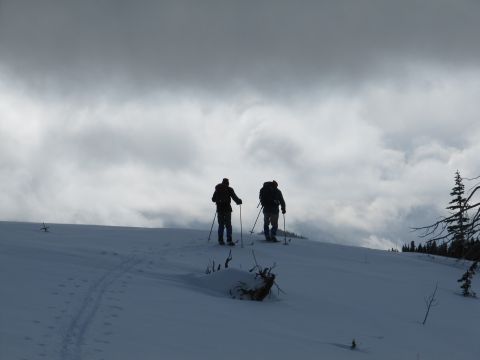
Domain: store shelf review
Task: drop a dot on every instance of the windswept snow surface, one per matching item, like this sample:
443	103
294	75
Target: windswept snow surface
113	293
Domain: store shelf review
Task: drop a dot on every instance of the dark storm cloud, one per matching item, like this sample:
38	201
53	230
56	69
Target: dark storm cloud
215	43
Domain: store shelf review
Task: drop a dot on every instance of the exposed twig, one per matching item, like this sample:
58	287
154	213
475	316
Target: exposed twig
229	258
429	302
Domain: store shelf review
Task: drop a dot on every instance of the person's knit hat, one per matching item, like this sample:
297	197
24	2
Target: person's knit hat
225	181
275	183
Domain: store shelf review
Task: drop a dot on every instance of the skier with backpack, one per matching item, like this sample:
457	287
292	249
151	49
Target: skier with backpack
222	197
271	198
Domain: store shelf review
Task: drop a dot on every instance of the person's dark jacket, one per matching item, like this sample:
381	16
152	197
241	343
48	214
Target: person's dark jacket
275	199
222	197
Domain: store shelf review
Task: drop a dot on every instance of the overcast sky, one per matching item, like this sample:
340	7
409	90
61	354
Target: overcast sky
129	112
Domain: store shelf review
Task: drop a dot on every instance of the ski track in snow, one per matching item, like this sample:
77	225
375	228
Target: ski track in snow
74	337
84	319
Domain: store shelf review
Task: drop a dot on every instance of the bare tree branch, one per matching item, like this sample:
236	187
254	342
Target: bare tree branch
429	302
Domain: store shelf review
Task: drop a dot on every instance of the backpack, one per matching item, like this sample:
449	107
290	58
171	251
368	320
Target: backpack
222	194
267	195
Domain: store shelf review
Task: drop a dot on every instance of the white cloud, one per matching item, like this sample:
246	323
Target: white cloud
375	242
154	162
134	119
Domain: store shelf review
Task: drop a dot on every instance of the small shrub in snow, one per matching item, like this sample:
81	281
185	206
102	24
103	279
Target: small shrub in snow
466	280
260	289
261	285
430	301
44	228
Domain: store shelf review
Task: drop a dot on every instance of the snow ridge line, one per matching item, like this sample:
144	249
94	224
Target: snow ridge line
73	339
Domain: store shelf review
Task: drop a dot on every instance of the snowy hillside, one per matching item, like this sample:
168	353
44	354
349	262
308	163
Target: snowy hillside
112	293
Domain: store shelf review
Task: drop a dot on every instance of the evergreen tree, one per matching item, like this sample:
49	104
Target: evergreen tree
473	252
457	225
443	249
412	246
431	248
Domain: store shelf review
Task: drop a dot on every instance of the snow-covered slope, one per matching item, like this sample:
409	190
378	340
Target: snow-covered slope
112	293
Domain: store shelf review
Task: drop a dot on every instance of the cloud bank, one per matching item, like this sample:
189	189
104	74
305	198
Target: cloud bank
129	113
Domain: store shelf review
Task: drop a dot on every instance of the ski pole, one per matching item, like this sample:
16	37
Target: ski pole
251	231
241	227
212	226
284	232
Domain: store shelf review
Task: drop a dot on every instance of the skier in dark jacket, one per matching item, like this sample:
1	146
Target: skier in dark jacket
271	198
222	197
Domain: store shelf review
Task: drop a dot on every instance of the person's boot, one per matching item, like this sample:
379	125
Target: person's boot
221	242
230	242
267	235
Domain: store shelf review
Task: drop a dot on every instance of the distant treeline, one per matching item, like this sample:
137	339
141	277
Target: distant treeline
470	250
